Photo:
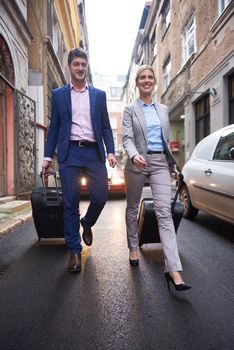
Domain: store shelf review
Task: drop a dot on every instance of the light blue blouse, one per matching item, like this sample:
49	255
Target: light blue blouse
154	130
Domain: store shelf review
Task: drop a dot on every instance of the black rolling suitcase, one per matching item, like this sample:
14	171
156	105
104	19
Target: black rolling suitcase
147	223
47	210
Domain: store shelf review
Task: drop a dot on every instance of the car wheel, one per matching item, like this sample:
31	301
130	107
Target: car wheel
189	211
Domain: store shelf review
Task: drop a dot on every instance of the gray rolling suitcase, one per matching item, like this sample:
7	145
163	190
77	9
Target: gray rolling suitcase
47	210
148	231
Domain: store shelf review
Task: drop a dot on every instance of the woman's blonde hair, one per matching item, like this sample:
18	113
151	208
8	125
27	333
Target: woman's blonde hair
141	69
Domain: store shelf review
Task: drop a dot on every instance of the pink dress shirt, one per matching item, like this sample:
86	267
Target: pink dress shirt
81	128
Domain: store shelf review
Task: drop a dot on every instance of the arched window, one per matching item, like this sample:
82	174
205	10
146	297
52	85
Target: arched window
6	63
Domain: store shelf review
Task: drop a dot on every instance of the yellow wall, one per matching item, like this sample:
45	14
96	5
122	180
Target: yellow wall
67	12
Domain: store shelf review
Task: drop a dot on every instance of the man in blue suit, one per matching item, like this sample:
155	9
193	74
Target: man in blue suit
80	129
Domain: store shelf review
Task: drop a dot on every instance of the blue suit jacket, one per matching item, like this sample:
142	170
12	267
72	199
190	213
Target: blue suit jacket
61	121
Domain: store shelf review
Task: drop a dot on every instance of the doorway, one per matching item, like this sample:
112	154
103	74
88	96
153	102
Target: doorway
7	79
2	137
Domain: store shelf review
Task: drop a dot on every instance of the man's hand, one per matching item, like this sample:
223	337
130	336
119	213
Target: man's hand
139	161
45	166
112	160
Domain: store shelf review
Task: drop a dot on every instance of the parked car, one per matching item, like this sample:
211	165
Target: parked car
208	183
116	181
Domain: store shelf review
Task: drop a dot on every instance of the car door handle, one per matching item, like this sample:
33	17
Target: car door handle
208	172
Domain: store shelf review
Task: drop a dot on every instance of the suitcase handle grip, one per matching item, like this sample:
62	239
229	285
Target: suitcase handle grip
50	171
45	198
179	186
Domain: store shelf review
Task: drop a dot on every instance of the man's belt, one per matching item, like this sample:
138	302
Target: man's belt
83	143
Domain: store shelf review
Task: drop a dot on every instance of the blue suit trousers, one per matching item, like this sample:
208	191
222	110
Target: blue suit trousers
79	162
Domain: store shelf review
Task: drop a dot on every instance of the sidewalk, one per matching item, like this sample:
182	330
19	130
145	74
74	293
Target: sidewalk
11	222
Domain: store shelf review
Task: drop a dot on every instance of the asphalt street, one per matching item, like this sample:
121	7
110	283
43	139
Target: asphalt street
111	305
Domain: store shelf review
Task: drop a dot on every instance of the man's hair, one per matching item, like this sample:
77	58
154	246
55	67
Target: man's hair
76	52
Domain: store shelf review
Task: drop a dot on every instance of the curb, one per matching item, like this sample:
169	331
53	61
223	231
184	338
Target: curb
8	225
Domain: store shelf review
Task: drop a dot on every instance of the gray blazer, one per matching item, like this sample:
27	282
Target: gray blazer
135	133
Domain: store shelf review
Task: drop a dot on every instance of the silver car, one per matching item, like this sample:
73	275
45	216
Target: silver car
209	177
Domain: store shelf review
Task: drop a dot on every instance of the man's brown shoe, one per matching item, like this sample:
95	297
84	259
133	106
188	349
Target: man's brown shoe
87	233
74	264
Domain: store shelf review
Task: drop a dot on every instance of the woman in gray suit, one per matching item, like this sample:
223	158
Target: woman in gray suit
146	142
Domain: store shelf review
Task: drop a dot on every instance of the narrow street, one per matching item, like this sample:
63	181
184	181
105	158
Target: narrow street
111	305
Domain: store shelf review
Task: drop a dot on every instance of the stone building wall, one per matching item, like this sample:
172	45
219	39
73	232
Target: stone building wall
17	41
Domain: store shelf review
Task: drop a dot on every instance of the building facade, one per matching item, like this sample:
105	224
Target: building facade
130	92
113	88
190	45
17	110
56	27
35	38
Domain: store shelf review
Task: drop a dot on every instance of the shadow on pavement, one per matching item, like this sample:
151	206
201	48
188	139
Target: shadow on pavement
218	227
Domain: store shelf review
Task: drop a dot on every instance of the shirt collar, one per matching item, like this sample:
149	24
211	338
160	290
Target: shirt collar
145	104
84	89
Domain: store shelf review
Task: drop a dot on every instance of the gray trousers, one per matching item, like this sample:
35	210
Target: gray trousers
158	175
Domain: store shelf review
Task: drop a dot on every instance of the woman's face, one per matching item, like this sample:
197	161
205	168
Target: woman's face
145	82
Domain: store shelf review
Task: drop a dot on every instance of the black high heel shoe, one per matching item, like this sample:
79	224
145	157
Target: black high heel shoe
134	263
179	287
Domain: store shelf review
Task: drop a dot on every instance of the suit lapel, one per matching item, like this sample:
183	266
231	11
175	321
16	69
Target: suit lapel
67	97
161	116
140	116
92	96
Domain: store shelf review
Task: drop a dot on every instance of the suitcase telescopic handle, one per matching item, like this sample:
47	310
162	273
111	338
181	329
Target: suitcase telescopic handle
57	198
178	188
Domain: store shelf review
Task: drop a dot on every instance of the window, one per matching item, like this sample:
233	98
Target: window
153	46
166	16
56	42
202	116
166	74
225	143
113	92
231	98
222	4
167	13
188	40
49	20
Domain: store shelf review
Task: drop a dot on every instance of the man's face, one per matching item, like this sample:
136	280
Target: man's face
78	69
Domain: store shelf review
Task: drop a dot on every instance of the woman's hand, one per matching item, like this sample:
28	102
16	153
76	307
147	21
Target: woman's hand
175	174
139	161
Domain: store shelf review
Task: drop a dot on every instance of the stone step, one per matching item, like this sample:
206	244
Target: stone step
7	199
14	206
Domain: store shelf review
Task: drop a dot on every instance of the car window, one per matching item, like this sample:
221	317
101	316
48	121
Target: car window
226	142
